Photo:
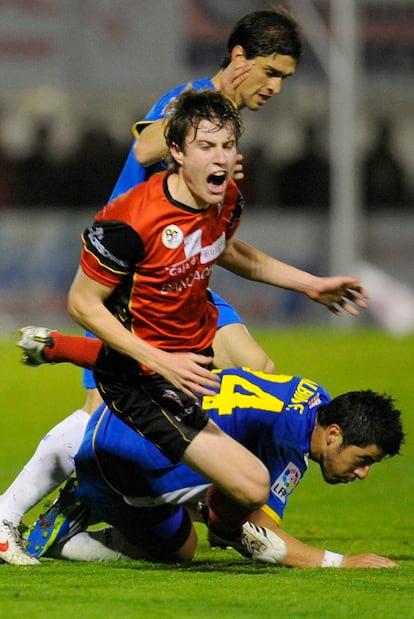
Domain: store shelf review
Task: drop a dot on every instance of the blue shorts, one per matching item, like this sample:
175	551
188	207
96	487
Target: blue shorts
227	315
88	381
159	531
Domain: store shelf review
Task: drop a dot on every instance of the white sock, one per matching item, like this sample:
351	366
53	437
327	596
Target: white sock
102	545
49	466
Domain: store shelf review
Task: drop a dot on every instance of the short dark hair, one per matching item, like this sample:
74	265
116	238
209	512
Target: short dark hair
365	418
263	33
193	106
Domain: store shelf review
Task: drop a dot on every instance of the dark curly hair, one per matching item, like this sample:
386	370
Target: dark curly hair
365	418
263	33
192	106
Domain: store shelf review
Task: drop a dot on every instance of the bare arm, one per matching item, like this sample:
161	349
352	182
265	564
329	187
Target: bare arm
301	555
338	293
150	146
183	370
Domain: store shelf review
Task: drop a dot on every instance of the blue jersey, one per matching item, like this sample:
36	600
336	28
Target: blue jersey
273	415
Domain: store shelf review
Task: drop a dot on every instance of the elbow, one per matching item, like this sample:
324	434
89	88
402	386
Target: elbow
74	309
73	312
141	153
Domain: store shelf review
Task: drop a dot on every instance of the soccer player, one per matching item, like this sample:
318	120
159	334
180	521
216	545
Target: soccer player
285	420
263	50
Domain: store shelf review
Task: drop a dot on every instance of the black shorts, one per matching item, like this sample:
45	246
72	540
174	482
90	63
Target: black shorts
148	403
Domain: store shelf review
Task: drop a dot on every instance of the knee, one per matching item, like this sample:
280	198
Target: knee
262	363
255	490
186	552
268	366
260	494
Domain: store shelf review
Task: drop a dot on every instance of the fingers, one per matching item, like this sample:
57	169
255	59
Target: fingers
357	296
240	70
238	174
233	75
195	389
351	298
342	306
192	378
368	560
203	380
201	360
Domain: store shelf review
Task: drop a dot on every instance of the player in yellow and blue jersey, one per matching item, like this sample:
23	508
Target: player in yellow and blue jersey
284	420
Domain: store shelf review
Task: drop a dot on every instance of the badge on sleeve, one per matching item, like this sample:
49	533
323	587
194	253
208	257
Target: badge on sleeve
286	482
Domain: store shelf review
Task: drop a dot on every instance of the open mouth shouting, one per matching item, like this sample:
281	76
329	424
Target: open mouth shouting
217	182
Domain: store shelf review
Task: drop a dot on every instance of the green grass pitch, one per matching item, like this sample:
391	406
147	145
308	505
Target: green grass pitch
375	515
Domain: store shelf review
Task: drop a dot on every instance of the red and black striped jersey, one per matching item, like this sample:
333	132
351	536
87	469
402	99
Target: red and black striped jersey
158	254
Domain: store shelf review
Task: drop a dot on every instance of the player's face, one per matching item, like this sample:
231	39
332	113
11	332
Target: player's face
264	80
342	465
206	164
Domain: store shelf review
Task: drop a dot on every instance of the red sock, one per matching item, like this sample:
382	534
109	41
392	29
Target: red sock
75	349
225	516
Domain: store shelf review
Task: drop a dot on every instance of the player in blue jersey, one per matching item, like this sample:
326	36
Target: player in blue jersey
263	50
284	420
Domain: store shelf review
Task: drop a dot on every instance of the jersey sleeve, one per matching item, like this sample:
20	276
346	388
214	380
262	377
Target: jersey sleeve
132	174
158	110
286	471
111	249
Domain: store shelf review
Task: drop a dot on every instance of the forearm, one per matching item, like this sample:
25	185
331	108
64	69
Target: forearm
302	555
150	146
88	310
299	555
338	293
251	263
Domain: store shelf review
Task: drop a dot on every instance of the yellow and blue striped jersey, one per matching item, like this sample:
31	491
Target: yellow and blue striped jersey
273	415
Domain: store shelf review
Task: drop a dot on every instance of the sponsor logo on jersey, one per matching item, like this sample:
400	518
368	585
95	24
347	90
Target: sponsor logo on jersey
209	253
95	236
315	401
183	283
198	263
192	244
286	482
304	393
172	236
213	251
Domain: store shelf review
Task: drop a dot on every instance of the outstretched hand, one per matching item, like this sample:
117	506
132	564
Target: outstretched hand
340	294
367	560
186	372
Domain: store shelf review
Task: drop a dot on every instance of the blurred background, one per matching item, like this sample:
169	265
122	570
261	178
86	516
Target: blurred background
329	163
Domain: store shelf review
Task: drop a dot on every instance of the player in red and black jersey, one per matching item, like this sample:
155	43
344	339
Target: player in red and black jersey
165	254
161	239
